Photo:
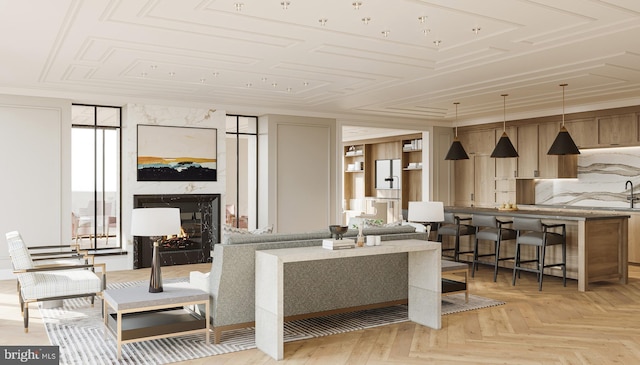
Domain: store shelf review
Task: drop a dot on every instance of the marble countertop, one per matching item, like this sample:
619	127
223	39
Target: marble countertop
538	212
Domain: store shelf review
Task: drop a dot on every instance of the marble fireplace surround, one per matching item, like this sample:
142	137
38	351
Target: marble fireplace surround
200	215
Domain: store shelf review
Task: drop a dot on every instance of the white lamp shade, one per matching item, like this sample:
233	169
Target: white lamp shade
150	222
426	212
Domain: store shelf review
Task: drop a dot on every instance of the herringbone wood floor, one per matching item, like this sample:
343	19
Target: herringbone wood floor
556	326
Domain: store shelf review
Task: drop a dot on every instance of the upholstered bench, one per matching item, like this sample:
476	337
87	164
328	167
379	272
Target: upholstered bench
451	286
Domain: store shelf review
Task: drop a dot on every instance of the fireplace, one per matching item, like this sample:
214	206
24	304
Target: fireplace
200	222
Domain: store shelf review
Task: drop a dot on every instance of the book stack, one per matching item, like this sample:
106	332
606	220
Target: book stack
332	244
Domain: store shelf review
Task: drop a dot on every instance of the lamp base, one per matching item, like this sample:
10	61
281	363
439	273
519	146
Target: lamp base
155	282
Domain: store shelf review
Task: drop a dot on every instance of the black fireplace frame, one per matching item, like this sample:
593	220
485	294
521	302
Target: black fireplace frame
209	207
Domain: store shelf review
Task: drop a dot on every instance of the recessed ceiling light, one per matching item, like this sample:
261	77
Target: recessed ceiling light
385	33
366	20
323	21
264	79
143	74
249	84
306	83
285	4
215	74
238	6
289	89
153	67
172	73
202	81
426	31
437	43
476	30
357	4
273	84
422	18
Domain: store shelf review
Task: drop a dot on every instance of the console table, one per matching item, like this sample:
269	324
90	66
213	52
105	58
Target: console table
424	284
140	315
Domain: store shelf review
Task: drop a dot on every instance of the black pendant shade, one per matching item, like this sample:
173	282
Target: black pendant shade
456	151
504	148
563	144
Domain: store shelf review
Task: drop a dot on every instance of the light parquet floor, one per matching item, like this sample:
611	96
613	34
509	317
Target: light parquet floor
556	326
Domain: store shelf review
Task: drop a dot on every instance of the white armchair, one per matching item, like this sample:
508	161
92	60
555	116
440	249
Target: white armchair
37	283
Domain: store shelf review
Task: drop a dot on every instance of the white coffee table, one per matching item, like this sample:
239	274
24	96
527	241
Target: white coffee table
140	315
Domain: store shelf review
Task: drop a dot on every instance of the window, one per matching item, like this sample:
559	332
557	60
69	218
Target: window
242	171
95	176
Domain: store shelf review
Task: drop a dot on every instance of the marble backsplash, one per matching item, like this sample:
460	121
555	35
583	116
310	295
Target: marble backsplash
602	174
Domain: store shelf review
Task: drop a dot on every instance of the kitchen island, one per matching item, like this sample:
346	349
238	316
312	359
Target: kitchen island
596	243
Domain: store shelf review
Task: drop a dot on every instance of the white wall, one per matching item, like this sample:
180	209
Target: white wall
35	188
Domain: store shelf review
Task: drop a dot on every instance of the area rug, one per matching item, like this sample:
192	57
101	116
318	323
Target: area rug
79	331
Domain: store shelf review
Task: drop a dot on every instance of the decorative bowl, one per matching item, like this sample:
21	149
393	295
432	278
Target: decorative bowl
337	230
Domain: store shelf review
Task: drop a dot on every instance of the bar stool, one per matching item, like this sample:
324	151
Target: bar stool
489	228
452	226
533	232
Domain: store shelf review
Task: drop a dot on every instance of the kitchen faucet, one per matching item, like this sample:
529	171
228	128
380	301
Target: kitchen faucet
631	198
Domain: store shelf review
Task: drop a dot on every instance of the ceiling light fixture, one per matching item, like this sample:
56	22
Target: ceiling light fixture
172	73
238	6
504	148
289	89
323	21
456	151
285	4
422	19
476	30
385	33
153	67
357	4
249	84
426	31
143	74
563	144
437	43
215	73
202	81
274	84
306	83
366	20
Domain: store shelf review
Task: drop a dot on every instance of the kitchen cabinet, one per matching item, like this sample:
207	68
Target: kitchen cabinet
618	130
527	151
475	177
583	131
506	171
552	166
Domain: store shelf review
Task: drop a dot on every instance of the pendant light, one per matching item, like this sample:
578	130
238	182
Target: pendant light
456	151
563	144
504	148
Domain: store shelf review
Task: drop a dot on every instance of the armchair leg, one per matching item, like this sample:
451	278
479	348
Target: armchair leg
25	316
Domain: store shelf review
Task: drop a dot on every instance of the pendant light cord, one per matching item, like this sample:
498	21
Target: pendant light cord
504	112
563	86
456	129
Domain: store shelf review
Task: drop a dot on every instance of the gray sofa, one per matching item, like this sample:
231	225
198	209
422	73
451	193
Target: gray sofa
335	285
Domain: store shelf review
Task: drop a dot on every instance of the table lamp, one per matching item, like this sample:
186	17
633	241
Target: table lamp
426	213
155	223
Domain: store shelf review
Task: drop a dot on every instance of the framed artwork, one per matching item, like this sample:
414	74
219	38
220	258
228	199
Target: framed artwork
177	153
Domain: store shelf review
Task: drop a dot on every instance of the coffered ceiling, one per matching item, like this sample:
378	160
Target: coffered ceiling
340	58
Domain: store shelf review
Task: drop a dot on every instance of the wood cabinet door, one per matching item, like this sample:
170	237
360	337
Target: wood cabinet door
528	151
617	130
484	181
547	165
583	131
464	181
